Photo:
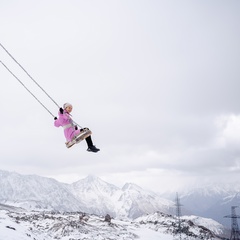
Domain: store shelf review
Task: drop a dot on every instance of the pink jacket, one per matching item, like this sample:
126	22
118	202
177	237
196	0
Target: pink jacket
64	120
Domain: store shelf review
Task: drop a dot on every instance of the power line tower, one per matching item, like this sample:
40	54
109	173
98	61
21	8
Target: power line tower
178	214
235	233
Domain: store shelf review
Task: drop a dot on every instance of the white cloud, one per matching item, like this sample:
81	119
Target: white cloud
229	131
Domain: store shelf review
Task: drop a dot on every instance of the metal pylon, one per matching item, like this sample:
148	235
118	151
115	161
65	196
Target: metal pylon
235	234
178	214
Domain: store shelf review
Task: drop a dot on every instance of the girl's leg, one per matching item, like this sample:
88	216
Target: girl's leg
89	141
91	147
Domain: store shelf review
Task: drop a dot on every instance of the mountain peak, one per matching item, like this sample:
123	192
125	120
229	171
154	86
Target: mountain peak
131	186
92	178
93	184
90	181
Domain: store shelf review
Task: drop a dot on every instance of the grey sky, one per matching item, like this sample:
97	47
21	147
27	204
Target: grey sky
156	81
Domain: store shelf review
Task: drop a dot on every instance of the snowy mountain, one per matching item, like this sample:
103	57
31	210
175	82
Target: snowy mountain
212	201
75	226
90	195
135	202
131	201
93	195
99	197
35	192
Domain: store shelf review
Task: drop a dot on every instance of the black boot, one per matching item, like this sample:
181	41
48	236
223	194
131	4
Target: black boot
93	149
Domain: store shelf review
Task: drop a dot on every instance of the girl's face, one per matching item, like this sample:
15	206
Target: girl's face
68	109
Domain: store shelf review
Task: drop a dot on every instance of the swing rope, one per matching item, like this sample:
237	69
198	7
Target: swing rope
25	87
28	74
33	81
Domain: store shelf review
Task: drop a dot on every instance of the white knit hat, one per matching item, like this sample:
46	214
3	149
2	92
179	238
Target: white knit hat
65	105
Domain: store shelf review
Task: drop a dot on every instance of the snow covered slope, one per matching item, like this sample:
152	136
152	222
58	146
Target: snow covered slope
70	226
191	226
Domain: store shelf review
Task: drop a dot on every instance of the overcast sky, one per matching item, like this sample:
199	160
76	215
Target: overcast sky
156	81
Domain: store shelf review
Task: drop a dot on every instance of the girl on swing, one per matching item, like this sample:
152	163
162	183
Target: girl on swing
70	131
